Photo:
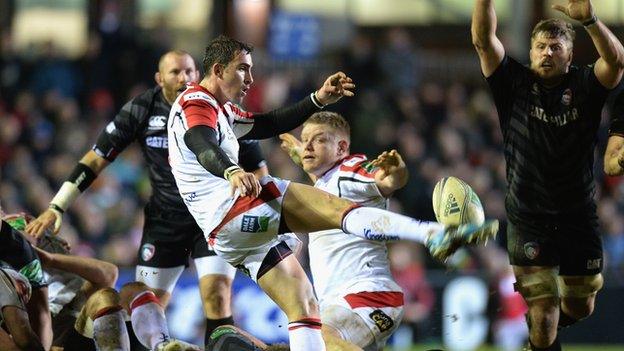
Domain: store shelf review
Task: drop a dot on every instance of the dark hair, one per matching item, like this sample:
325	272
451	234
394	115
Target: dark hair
222	50
555	28
332	119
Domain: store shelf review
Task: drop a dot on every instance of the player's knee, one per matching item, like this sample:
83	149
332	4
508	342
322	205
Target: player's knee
578	294
215	293
101	299
540	285
129	291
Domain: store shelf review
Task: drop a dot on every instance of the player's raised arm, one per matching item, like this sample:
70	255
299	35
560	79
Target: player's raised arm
489	47
78	181
610	65
392	174
281	120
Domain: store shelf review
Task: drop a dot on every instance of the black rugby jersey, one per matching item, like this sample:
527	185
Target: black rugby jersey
144	119
549	138
617	115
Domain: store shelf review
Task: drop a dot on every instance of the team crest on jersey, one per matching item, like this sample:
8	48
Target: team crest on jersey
254	224
566	98
531	250
382	320
147	252
157	123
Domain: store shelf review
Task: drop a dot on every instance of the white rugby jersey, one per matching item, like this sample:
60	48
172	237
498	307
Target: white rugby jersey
62	288
340	260
207	196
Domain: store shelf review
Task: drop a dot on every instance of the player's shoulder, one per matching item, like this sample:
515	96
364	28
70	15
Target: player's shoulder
357	165
236	111
195	92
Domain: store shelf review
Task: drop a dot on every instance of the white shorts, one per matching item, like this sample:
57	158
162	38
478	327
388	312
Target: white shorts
250	228
367	317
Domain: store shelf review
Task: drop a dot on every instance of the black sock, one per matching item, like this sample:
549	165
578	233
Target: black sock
135	344
555	346
212	324
565	320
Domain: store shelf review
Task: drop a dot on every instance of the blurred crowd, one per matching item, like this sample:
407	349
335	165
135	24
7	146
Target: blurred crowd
52	109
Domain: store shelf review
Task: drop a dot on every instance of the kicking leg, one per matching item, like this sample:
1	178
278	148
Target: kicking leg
308	209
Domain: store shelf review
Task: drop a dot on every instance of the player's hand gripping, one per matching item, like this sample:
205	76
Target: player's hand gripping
292	146
580	10
49	217
246	183
335	87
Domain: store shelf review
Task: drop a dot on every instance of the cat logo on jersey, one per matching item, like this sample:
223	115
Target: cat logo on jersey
254	224
382	320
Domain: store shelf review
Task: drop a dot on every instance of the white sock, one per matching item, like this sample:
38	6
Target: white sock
305	335
377	224
148	320
110	333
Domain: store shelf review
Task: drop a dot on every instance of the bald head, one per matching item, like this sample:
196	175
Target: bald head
175	69
170	56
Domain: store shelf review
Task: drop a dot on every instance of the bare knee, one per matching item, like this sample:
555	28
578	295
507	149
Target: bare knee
215	290
578	308
131	290
101	299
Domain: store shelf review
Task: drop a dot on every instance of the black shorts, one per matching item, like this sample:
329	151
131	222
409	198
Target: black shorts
170	238
573	244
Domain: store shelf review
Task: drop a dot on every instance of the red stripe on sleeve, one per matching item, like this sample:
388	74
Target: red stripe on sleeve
199	112
240	113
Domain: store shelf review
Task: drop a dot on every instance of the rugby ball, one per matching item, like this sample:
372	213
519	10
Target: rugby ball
455	203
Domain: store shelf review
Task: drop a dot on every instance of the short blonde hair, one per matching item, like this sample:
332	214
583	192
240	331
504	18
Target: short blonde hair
332	119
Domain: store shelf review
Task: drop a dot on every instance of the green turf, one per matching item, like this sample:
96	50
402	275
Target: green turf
577	347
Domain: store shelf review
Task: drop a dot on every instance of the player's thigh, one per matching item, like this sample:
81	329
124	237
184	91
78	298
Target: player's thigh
344	323
307	209
532	244
287	284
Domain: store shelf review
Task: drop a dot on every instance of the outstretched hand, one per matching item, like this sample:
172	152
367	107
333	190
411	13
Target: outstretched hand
38	226
292	146
334	88
389	163
580	10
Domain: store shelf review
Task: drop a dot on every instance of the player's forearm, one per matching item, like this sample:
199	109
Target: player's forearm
101	274
202	141
483	27
608	46
282	120
393	182
78	181
39	316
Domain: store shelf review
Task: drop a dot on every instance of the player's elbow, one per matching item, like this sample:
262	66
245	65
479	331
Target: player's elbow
108	275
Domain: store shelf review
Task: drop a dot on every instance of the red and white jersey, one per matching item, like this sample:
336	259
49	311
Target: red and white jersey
207	196
339	261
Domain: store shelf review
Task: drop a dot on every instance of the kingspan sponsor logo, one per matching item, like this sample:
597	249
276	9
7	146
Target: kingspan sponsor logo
376	236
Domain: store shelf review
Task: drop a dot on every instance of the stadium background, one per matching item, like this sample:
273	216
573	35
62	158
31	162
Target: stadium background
67	66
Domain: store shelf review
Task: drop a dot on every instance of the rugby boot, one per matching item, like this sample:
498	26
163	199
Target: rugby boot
176	345
443	244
